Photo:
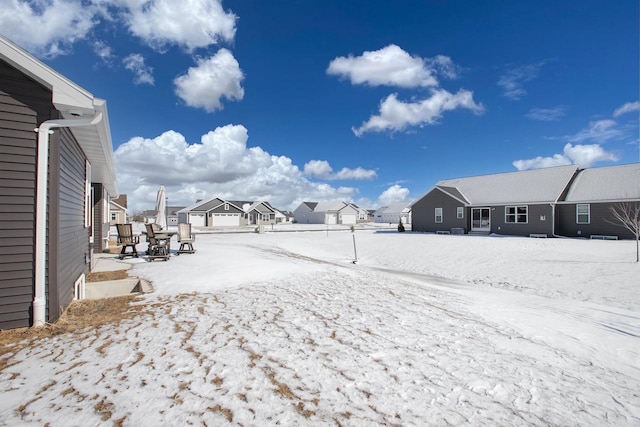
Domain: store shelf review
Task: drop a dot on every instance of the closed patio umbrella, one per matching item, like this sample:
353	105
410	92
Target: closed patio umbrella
161	205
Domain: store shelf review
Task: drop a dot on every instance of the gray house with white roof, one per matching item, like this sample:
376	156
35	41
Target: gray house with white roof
556	201
332	212
585	210
57	181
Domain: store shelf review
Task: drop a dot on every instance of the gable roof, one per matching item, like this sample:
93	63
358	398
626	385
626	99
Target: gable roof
530	186
394	208
71	101
606	184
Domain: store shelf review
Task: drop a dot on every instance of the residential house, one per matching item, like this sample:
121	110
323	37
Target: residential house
555	201
172	215
256	213
56	187
118	210
363	214
394	213
335	212
214	212
585	210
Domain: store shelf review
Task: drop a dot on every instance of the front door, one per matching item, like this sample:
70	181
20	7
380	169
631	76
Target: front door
480	219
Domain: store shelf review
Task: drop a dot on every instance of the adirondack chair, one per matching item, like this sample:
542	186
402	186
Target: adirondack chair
186	239
158	247
127	239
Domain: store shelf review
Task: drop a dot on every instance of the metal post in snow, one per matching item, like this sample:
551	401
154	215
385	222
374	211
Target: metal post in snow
355	252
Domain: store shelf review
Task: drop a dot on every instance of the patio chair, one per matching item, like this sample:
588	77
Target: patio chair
186	239
158	248
127	239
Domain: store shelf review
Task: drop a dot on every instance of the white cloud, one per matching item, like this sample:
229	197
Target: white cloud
322	169
582	155
390	66
512	81
47	28
103	51
142	72
189	23
393	194
396	115
629	107
547	114
213	78
599	131
444	66
221	164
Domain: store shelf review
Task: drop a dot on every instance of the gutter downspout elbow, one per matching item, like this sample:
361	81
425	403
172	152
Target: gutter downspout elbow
44	130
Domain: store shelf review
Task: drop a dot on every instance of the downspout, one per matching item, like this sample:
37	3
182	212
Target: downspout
553	220
44	130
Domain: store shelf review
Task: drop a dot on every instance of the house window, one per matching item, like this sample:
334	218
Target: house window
459	212
438	215
226	206
516	214
583	214
114	216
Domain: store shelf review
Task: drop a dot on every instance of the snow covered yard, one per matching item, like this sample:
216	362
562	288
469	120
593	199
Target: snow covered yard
282	328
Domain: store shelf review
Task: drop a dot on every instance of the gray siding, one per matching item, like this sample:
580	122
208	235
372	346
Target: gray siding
23	105
67	187
534	225
600	223
423	213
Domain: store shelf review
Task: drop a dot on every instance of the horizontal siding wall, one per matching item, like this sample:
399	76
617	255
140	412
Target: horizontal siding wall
72	255
600	223
423	213
535	224
23	105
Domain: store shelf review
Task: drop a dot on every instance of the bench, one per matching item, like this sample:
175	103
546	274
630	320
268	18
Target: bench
443	232
538	235
603	237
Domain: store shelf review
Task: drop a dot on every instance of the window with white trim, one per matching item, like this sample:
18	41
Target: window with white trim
516	214
438	214
583	213
460	212
226	206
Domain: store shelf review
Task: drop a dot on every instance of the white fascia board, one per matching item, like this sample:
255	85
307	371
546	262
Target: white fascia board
67	96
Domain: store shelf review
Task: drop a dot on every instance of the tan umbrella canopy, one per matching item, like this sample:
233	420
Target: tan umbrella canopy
161	206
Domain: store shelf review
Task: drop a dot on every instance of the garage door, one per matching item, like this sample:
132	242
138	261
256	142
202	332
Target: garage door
222	220
196	220
348	219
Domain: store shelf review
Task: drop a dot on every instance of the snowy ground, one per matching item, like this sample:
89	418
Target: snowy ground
283	328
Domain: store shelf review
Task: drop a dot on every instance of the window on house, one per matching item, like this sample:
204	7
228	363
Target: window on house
583	214
226	206
516	214
460	212
438	215
114	216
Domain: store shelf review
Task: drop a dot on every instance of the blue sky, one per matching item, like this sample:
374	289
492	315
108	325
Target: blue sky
364	100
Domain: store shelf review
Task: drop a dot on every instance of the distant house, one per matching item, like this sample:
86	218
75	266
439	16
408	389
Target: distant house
118	210
149	216
257	213
172	214
56	187
557	201
363	214
335	212
394	213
